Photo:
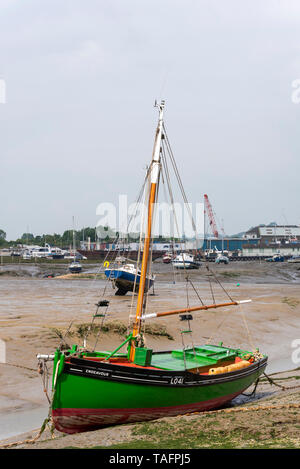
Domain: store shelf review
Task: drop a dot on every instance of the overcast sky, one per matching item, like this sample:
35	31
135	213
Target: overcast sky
78	124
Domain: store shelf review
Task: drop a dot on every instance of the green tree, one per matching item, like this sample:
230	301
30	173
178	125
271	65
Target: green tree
2	237
27	237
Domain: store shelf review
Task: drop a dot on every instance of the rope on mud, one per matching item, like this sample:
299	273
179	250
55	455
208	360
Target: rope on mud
284	388
271	381
20	366
32	440
47	420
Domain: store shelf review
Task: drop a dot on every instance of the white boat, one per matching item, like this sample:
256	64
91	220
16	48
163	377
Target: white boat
26	255
39	252
185	261
294	259
221	259
47	252
75	256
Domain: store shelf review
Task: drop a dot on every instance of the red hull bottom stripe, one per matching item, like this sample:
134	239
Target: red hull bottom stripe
80	420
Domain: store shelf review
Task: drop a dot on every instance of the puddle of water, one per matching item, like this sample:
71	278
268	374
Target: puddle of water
15	423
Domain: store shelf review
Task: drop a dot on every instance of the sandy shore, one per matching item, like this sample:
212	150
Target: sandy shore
32	307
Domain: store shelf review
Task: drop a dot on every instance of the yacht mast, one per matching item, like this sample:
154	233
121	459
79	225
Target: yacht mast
74	244
154	177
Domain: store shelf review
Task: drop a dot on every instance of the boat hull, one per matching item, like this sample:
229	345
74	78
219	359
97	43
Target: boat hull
186	265
75	270
125	281
80	420
90	396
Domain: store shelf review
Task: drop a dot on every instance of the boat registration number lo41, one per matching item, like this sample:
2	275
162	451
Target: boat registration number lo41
176	380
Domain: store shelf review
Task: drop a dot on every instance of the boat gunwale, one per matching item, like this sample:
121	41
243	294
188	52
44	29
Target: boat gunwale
139	375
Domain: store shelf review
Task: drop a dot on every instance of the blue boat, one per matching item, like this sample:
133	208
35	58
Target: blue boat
275	258
127	278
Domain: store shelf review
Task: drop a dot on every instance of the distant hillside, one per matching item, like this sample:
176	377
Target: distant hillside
238	235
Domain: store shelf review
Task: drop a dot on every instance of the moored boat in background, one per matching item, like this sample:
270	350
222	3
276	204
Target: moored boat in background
294	259
221	259
75	267
186	261
275	258
127	278
168	257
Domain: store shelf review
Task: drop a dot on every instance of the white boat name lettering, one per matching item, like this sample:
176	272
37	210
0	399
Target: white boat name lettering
176	380
94	372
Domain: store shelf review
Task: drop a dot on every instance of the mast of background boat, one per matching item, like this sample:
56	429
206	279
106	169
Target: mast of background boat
154	177
74	238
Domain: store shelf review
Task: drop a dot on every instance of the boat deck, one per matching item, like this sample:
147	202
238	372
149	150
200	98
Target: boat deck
204	357
199	357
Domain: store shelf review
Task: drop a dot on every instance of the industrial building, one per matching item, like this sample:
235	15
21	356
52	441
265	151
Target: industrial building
270	234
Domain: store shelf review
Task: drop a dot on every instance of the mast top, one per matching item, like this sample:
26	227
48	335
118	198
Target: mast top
160	105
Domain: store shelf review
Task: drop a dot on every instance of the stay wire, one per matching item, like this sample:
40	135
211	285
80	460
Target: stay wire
171	196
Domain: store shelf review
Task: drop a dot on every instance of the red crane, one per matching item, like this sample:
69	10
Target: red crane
208	209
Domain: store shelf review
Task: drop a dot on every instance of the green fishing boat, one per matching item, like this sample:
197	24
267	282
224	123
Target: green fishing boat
91	389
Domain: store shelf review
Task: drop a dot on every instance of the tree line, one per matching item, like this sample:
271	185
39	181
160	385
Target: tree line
55	239
66	239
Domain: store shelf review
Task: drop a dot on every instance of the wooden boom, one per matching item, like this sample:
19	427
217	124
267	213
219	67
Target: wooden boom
193	308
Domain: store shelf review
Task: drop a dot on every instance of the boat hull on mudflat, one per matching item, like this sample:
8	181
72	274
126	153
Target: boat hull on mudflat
91	394
126	281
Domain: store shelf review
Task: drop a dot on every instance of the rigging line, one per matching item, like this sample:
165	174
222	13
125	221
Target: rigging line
167	185
218	281
149	266
195	290
118	251
185	199
187	293
168	180
173	161
149	273
141	193
145	194
138	199
218	327
211	290
100	329
213	274
247	328
167	201
172	199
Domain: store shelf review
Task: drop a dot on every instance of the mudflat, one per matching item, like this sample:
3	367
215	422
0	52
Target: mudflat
35	312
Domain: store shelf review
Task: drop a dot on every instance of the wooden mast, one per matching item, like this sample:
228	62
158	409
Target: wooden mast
154	177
